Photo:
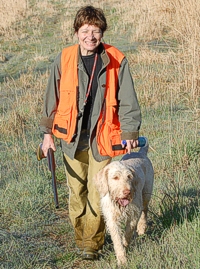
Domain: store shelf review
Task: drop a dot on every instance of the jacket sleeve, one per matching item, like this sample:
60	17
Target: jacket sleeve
51	97
129	110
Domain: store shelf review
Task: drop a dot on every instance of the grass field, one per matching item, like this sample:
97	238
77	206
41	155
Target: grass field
161	40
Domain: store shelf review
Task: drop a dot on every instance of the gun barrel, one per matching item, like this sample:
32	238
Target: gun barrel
51	164
52	168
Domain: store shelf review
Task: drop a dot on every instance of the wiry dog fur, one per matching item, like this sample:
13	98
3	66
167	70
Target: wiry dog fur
125	189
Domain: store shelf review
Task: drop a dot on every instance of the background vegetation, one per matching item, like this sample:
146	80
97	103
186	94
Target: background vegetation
161	40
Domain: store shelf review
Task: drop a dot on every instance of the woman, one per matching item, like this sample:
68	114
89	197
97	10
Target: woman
91	105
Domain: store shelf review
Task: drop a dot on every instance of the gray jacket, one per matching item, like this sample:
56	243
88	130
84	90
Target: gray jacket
129	110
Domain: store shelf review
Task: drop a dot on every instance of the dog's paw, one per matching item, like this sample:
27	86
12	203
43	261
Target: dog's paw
121	261
142	224
141	228
125	242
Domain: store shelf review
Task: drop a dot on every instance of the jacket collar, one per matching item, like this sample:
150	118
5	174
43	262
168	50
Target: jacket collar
104	55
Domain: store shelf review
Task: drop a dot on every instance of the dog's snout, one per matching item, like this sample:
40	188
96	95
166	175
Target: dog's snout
126	192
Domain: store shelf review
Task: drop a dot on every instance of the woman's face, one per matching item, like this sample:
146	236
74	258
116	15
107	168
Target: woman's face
89	37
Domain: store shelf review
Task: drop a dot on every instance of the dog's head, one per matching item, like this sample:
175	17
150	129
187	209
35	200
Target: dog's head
117	180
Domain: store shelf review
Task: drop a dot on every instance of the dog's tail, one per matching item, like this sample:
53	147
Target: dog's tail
144	149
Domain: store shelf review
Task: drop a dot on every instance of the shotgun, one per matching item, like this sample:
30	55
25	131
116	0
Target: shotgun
52	168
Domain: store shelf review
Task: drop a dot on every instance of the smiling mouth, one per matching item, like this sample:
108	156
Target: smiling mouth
123	201
91	43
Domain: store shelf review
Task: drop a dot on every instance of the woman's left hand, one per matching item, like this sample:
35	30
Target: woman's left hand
130	144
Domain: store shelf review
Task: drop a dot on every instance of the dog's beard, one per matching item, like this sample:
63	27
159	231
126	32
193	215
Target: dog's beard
122	201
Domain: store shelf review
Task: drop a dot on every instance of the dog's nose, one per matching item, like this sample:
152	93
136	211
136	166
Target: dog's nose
126	192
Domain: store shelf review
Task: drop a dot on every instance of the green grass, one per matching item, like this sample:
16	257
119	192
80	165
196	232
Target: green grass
33	234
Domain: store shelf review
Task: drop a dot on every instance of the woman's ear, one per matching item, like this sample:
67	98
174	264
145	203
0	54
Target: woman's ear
76	35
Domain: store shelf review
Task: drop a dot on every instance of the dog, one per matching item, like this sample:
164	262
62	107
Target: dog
125	189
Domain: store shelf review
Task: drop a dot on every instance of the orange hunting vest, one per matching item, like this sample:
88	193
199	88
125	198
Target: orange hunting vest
108	126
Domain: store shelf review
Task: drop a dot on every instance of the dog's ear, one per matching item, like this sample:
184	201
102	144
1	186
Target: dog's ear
130	168
101	181
135	179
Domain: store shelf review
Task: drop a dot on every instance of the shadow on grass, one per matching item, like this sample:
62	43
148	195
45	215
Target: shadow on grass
174	209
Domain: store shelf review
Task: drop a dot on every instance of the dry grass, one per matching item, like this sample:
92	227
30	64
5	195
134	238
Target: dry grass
10	11
23	101
167	78
155	19
177	23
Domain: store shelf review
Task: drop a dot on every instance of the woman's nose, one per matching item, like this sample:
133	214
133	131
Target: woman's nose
90	35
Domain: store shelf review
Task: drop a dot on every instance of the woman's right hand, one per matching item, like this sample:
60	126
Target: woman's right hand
47	143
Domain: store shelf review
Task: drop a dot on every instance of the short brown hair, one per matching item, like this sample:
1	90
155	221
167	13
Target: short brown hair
92	16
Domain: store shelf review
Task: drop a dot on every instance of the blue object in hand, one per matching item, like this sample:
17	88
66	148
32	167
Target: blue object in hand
141	141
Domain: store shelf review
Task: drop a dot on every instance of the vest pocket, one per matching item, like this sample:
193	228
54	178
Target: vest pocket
108	132
65	120
60	129
109	140
61	125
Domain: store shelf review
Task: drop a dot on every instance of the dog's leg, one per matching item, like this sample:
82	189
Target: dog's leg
142	223
132	221
113	226
115	233
146	197
131	226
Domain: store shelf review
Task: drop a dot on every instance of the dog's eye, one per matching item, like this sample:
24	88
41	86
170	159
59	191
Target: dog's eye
130	176
116	178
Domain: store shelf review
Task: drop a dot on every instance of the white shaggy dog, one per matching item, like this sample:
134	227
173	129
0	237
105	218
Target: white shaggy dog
125	189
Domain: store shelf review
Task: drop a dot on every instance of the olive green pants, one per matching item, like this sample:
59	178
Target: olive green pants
84	201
